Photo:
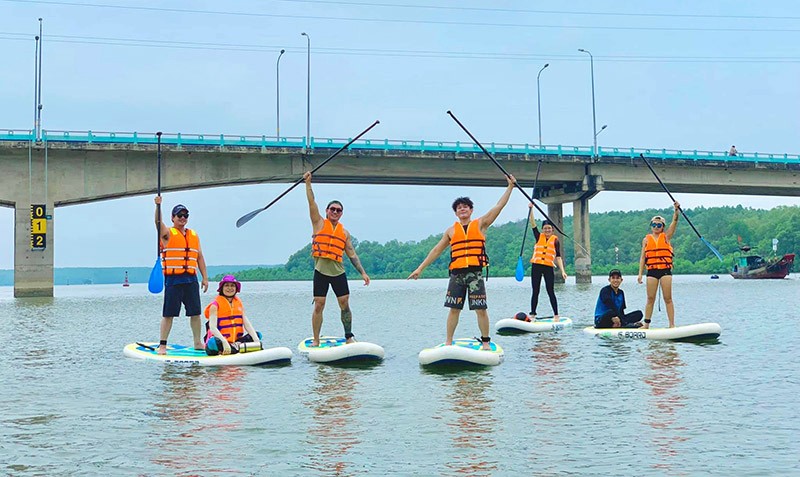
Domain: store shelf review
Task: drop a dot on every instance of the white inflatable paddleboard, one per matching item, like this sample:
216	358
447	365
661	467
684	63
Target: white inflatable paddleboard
336	349
462	351
698	332
515	326
186	354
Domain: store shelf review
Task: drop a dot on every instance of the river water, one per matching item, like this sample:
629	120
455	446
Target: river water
560	404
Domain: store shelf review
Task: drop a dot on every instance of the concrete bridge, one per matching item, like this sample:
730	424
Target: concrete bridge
69	167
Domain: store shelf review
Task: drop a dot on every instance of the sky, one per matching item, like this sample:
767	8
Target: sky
678	75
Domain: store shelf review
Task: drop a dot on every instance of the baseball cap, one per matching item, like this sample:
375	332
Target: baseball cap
615	271
179	208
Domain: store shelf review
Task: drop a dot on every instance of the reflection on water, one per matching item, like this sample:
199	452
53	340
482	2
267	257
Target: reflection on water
195	410
664	381
333	432
473	429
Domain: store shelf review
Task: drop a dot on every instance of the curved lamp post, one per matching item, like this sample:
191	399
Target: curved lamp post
594	115
278	94
308	91
539	102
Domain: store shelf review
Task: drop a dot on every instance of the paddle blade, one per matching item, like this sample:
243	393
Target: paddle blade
520	275
713	250
156	282
246	218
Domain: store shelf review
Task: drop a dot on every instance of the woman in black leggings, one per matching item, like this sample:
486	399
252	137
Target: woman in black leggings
546	254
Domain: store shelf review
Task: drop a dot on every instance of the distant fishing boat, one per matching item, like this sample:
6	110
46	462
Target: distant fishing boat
125	283
752	266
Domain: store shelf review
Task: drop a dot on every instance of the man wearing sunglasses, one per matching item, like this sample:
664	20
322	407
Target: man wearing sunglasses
329	243
657	256
181	258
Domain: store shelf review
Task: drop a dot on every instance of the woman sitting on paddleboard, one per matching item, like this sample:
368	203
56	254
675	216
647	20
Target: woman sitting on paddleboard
657	256
227	326
546	254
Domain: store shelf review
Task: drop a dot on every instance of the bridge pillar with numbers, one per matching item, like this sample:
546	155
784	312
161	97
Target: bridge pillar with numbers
33	251
580	227
556	214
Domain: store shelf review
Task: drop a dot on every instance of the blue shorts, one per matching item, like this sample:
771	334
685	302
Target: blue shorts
187	294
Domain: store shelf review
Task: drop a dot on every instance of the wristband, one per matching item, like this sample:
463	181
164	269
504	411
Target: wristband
647	320
162	343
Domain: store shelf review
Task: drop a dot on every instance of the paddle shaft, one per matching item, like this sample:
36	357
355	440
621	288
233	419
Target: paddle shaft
528	216
243	220
669	194
158	192
507	174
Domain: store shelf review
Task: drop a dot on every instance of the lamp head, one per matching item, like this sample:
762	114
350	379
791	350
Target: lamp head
546	65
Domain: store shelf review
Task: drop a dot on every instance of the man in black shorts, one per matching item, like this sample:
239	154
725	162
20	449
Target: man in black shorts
467	241
182	258
329	243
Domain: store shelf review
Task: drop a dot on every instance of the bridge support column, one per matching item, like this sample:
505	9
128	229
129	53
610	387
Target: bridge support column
556	214
580	227
33	269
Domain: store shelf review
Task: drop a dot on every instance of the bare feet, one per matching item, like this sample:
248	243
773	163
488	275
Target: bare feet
162	349
199	346
556	318
350	340
315	344
486	347
532	317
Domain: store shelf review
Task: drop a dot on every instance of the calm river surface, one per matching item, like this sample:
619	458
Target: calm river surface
563	404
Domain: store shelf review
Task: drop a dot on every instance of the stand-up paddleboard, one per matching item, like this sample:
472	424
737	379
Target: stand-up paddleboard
698	332
334	349
186	354
514	326
462	351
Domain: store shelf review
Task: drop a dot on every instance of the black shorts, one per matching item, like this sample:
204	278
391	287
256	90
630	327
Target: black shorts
187	294
338	283
468	284
657	273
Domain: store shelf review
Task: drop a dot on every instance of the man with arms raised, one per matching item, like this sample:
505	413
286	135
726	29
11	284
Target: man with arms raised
182	257
467	242
329	243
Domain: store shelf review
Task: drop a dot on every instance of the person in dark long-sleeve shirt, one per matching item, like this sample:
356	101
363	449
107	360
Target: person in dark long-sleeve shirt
610	309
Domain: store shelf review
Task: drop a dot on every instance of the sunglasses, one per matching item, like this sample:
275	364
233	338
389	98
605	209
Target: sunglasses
657	225
182	215
335	210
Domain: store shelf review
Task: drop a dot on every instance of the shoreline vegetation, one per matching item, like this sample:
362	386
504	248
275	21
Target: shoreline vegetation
616	239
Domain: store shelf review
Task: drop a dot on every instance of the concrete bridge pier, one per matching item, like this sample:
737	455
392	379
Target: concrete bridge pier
579	194
33	268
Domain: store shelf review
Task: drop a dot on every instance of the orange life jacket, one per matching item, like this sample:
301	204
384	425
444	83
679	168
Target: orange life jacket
657	252
230	318
544	252
181	252
468	249
329	242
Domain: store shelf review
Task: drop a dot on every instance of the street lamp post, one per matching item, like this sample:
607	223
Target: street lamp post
594	115
308	92
278	94
539	102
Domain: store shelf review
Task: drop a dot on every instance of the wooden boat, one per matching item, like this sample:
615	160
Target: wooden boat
751	266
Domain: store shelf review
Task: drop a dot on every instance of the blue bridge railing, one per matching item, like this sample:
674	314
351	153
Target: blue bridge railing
298	142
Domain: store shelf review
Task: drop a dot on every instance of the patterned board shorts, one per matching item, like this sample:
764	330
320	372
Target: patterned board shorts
468	285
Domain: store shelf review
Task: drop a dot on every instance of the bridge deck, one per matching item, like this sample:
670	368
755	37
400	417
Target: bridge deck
388	145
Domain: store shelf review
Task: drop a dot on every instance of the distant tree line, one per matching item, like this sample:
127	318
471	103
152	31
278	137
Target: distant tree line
616	239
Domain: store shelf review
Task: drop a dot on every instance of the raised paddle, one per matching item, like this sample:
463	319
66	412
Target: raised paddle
246	218
710	247
520	274
156	282
515	184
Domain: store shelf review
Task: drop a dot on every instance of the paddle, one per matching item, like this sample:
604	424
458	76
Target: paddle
145	346
520	267
246	218
156	282
515	184
710	247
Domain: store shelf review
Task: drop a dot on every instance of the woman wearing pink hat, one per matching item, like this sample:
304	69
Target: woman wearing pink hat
227	325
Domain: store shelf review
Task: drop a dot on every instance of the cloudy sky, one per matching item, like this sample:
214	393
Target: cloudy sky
681	75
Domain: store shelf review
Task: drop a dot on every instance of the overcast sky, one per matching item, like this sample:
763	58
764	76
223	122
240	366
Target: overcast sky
682	75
